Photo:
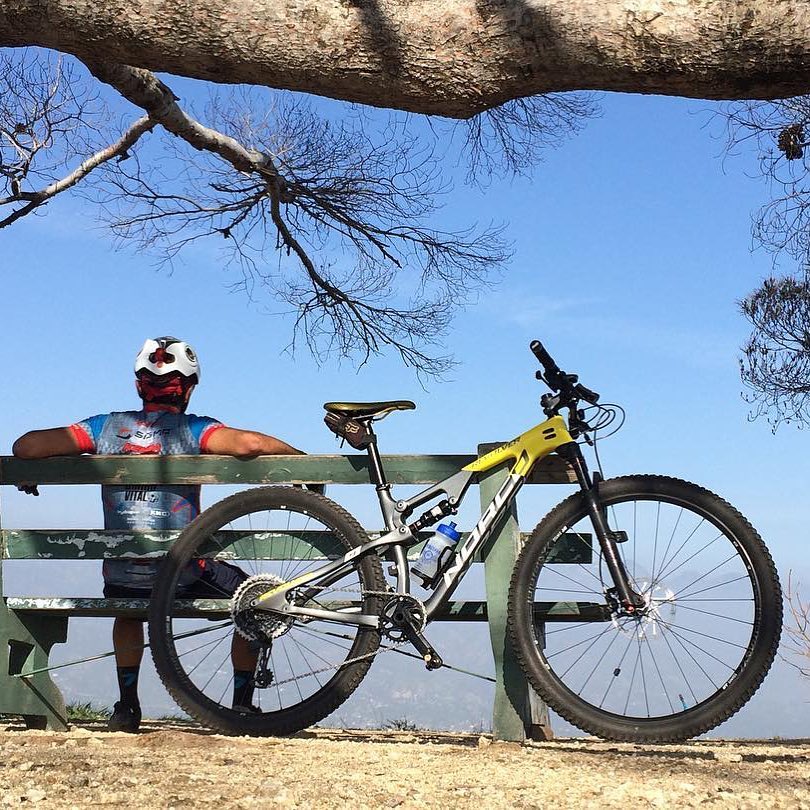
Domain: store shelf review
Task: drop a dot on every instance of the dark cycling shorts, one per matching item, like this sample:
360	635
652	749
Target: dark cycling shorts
218	581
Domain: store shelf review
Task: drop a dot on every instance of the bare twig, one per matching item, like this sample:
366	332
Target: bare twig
796	646
512	139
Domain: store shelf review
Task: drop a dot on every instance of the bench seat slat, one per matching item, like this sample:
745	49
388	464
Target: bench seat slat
218	608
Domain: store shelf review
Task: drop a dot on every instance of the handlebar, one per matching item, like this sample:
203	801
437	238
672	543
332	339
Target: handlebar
567	385
546	360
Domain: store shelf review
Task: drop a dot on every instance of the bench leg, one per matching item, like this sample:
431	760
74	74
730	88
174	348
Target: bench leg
518	713
539	728
25	645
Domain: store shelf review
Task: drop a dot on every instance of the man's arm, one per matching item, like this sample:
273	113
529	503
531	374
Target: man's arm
227	441
43	443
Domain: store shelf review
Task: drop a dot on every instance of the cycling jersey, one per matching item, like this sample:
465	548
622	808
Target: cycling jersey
142	507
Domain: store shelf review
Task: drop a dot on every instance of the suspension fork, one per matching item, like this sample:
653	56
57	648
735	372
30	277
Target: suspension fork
631	601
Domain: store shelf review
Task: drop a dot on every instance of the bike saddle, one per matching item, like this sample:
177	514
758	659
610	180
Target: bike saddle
355	410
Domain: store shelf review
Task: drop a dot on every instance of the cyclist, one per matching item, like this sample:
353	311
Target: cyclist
166	372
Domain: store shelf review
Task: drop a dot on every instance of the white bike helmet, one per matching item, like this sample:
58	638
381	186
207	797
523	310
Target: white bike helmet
163	356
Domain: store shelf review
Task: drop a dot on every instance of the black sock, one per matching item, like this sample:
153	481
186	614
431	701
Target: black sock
128	685
242	687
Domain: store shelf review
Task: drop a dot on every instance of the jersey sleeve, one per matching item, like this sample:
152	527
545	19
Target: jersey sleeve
202	428
88	431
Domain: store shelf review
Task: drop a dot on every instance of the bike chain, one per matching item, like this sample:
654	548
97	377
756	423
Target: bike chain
381	649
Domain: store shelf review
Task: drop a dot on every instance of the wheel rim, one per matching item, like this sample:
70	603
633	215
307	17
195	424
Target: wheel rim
697	631
297	660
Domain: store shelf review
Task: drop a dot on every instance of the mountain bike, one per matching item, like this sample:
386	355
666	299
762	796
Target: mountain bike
662	627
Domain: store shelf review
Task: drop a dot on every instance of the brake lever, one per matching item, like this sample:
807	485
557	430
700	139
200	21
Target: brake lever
550	403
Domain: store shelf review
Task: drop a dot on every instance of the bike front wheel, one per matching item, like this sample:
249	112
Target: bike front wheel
698	649
204	636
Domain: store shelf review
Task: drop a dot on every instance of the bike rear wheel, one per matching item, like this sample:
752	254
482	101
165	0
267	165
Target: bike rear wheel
306	667
701	646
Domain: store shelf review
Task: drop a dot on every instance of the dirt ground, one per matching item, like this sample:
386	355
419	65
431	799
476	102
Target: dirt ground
170	766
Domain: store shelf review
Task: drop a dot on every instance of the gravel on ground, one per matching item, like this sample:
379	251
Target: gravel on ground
169	765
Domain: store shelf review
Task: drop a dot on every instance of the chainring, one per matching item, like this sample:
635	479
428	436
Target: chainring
392	616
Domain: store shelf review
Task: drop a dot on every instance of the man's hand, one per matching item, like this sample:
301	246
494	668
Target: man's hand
28	489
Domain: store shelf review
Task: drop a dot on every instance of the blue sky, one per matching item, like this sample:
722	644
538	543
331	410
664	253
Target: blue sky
632	245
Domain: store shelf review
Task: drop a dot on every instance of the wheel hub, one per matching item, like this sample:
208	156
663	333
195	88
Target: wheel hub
658	609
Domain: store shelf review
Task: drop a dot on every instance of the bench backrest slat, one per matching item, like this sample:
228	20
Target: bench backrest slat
101	544
329	469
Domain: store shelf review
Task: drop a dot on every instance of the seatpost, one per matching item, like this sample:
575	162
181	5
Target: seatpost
377	472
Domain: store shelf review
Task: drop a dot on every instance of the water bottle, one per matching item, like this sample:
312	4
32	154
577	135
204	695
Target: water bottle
436	551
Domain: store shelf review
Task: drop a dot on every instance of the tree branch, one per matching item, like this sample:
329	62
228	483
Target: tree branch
317	186
34	199
145	90
450	57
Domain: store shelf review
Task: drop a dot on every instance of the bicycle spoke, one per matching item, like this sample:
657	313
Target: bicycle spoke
312	671
202	646
709	572
215	671
320	634
577	582
686	679
205	657
596	665
224	692
655	542
719	599
717	615
708	545
616	673
741	578
704	635
292	669
633	677
683	642
574	646
584	652
278	688
657	578
669	542
664	689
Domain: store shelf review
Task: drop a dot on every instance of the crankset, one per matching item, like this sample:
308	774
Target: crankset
404	617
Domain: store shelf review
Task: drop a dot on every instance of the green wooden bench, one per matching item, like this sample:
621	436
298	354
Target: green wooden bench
31	625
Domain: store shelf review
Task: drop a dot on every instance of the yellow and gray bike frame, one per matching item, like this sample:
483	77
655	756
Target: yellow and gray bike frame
524	452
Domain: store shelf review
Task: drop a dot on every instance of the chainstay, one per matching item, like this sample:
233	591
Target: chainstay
383	648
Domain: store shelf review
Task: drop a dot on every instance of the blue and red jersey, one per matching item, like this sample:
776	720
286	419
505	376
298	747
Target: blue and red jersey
144	507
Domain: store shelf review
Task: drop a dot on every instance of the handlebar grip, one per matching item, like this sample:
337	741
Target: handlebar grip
544	357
